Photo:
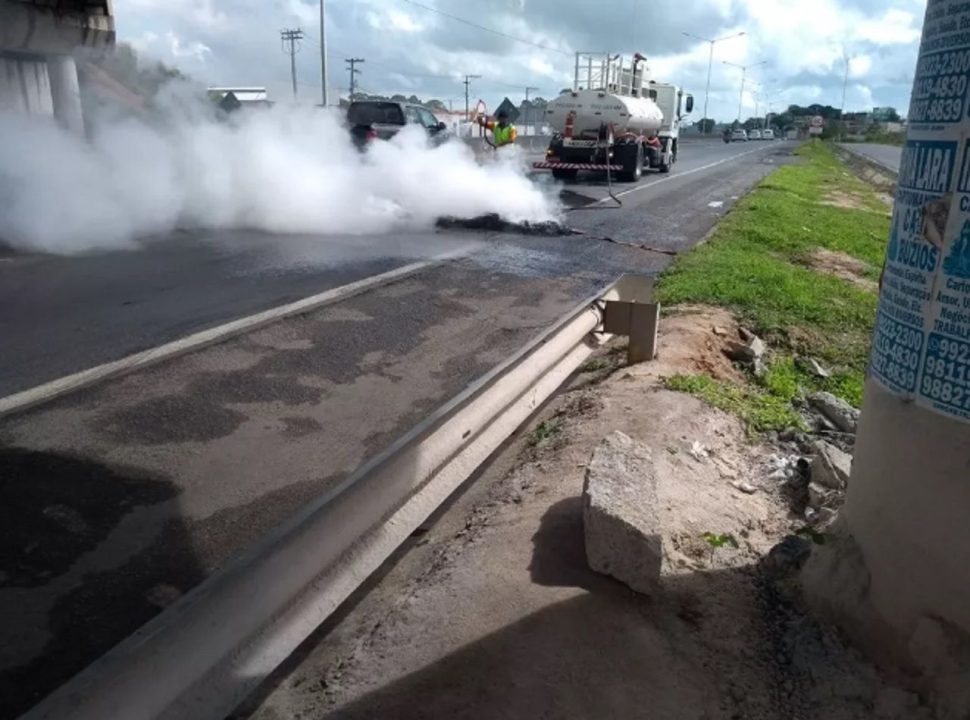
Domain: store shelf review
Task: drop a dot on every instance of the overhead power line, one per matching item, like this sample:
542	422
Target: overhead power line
352	64
292	37
468	82
487	29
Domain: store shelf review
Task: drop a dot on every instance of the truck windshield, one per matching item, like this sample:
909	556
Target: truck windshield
375	113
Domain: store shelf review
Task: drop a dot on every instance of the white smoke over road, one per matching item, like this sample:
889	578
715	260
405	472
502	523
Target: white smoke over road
284	170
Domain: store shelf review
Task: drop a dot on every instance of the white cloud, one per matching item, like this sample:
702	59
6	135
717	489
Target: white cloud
403	21
426	53
860	66
182	49
895	27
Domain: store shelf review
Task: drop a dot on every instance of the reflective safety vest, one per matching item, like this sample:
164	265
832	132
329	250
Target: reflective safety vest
503	136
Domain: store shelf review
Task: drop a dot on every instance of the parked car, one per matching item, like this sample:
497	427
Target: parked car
754	135
739	135
372	120
767	134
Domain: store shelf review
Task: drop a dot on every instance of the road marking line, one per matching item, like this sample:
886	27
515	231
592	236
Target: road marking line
681	174
55	388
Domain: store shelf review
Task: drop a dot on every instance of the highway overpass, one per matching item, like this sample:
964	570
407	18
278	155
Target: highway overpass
38	75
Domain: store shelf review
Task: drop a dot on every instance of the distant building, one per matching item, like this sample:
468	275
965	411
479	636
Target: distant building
885	114
857	124
234	98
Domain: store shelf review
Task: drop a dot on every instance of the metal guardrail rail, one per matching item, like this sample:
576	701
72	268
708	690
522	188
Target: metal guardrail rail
202	656
869	159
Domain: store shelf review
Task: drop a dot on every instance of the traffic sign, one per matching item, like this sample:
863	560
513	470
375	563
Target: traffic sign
818	121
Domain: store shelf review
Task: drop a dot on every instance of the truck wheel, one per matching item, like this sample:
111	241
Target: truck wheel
565	175
631	158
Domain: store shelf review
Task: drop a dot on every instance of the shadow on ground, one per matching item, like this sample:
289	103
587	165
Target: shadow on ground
709	645
55	510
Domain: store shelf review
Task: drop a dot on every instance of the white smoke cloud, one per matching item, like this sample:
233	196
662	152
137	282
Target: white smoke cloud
285	170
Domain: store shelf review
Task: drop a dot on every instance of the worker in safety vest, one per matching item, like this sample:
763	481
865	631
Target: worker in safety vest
503	131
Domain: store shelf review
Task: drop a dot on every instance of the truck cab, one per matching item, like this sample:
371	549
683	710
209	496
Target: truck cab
676	106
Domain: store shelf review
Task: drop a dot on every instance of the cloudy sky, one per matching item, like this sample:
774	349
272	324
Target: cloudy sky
412	46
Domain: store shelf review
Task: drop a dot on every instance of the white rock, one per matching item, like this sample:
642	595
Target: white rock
813	366
620	513
698	451
757	347
835	410
820	496
744	487
745	352
831	467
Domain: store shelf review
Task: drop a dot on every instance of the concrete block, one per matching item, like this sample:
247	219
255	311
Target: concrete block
835	410
621	513
831	467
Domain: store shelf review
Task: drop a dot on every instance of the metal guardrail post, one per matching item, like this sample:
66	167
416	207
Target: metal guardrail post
635	315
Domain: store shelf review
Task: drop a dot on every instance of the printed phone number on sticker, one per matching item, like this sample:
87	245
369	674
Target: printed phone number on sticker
944	63
946	373
936	110
941	86
896	353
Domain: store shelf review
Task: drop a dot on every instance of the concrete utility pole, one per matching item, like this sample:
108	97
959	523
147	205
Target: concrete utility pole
468	82
323	52
354	72
710	64
898	575
292	37
744	73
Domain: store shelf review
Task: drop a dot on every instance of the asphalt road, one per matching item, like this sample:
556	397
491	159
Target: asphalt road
120	498
889	156
60	315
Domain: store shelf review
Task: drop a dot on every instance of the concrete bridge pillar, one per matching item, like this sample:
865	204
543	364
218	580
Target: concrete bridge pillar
66	93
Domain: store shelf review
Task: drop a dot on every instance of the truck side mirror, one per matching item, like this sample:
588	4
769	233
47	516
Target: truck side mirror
442	127
690	104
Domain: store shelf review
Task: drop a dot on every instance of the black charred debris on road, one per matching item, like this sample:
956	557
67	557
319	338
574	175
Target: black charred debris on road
492	222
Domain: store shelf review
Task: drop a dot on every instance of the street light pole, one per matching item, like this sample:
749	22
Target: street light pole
323	53
710	65
744	74
845	87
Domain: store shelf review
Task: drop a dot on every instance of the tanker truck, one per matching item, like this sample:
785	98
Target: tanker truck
616	119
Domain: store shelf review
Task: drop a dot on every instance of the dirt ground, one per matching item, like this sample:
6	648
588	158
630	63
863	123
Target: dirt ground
493	612
842	265
844	200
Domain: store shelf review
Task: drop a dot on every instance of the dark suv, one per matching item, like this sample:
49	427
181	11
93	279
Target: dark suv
381	120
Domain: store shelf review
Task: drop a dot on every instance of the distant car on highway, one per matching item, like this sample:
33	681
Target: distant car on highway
738	135
754	135
767	134
372	120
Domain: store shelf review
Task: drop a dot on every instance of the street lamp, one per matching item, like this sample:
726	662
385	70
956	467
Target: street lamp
770	97
744	73
845	87
710	62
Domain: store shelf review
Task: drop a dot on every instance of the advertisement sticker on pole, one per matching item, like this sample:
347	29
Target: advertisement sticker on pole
921	348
